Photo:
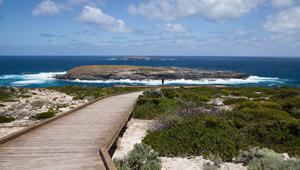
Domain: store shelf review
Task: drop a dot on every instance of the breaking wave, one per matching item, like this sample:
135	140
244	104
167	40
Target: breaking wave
27	79
250	80
45	78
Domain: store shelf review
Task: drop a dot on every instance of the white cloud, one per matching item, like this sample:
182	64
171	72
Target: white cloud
93	15
70	4
174	27
285	22
283	3
46	8
218	10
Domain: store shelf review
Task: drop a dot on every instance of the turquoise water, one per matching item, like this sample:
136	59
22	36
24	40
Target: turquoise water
38	71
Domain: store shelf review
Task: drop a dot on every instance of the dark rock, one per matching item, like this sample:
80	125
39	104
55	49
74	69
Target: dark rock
115	72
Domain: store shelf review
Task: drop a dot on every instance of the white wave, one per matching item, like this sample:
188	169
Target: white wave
24	82
25	79
250	80
112	59
46	77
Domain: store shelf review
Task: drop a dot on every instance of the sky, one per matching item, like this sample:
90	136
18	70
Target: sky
150	27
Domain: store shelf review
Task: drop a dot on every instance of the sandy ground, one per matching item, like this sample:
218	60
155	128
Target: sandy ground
137	130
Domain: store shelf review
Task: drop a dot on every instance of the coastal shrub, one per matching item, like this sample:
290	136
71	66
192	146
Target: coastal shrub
259	104
191	127
261	113
197	95
283	136
259	110
170	93
285	92
7	94
193	97
292	106
266	159
149	108
38	103
196	135
5	119
250	92
142	157
231	101
44	115
152	94
295	112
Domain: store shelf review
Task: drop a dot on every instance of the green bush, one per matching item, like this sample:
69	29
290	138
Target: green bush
44	115
170	93
194	97
262	113
266	159
259	104
152	94
197	135
283	136
285	92
142	157
6	119
149	108
231	101
292	106
188	130
259	110
250	92
295	112
7	94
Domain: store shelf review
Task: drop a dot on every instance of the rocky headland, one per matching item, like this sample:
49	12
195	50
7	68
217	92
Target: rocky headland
117	72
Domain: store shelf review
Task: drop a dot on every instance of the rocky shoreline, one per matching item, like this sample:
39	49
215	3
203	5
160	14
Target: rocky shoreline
117	72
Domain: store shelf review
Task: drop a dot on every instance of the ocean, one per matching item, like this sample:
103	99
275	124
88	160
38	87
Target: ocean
38	71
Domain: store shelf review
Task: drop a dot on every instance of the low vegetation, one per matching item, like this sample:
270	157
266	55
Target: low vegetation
193	125
265	159
156	103
6	119
142	157
45	115
11	94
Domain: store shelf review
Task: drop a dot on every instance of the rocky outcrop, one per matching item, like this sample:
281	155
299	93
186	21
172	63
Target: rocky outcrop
116	72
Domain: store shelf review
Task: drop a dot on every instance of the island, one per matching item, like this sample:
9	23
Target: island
138	58
118	72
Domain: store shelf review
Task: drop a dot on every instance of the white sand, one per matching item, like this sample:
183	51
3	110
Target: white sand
136	131
177	163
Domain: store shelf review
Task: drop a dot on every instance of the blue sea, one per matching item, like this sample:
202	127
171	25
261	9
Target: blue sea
38	71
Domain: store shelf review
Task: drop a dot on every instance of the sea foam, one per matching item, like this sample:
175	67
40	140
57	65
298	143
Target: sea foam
250	80
27	79
47	77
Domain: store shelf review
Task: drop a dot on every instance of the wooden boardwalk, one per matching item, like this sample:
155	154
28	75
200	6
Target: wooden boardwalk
70	142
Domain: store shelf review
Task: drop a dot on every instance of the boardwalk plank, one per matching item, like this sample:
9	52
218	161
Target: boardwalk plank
71	142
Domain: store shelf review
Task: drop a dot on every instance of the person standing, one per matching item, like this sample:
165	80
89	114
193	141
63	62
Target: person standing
163	81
